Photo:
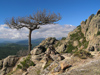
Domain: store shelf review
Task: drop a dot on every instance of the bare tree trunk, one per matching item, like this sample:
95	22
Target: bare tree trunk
29	41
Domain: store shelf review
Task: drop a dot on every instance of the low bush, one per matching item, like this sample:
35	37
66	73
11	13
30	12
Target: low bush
86	29
70	47
98	33
82	54
26	63
63	38
85	21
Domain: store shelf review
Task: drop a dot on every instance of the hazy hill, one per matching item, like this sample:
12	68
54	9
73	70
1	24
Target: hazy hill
9	48
35	41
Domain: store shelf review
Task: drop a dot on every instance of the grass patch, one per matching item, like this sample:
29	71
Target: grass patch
82	54
26	63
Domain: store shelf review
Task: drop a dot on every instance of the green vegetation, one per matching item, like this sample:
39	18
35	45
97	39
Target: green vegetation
92	15
85	21
26	63
70	47
86	29
82	54
98	33
7	49
1	66
48	63
76	36
63	38
10	49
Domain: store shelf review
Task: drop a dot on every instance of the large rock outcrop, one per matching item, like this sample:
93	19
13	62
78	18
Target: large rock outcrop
91	30
7	64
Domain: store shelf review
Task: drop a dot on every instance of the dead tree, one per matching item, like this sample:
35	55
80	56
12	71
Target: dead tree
33	22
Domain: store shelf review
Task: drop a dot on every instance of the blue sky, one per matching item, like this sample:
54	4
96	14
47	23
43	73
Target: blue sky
72	11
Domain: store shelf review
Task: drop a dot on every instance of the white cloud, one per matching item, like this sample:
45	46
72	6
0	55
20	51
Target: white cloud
44	32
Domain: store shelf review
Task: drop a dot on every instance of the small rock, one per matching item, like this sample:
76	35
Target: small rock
75	43
81	40
56	57
65	64
61	48
10	61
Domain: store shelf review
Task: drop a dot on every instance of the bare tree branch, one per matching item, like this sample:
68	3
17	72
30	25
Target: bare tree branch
33	21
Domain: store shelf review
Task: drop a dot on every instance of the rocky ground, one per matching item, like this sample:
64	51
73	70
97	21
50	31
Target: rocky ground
88	66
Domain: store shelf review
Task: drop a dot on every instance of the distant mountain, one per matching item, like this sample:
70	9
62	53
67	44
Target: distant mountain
7	42
34	42
10	48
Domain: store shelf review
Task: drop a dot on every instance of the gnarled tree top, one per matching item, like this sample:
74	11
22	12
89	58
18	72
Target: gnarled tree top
33	21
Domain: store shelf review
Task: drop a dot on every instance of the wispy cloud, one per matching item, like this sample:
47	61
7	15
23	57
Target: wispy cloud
44	32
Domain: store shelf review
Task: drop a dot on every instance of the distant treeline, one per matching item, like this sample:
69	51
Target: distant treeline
7	49
10	49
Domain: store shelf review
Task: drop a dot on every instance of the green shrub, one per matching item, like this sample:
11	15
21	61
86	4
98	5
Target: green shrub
26	63
98	33
63	38
85	21
82	54
86	44
70	47
86	29
78	35
92	15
